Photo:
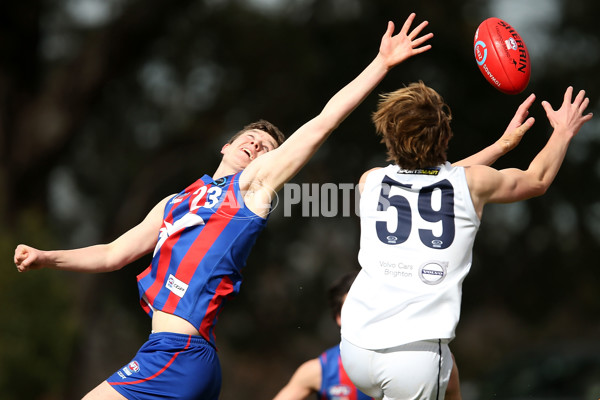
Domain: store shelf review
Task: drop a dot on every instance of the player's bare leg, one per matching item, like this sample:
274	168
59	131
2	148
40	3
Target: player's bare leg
104	392
453	389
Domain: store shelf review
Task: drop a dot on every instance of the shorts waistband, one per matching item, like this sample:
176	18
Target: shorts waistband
180	337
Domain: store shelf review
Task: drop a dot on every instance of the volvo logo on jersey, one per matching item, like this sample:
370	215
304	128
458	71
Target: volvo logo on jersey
433	272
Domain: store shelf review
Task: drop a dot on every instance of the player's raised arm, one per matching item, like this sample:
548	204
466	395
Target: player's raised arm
277	167
128	247
488	185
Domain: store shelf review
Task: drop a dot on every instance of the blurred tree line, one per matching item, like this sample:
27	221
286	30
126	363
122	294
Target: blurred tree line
109	106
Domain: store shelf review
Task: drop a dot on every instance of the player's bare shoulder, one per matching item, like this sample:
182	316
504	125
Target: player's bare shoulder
481	180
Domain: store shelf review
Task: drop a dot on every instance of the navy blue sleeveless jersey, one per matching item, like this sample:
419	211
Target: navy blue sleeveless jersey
203	244
335	384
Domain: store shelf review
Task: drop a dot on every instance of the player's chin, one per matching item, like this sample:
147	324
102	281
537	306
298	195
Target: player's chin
242	162
246	163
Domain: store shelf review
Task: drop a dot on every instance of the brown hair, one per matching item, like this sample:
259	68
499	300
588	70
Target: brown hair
414	123
261	125
338	290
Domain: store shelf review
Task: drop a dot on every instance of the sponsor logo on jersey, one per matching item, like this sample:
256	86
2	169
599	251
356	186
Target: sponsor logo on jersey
134	366
337	391
176	286
221	181
422	171
433	272
391	239
129	370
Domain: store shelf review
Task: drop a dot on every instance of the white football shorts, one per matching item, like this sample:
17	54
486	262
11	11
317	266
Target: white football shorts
419	370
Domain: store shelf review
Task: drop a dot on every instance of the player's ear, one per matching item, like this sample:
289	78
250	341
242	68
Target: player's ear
225	147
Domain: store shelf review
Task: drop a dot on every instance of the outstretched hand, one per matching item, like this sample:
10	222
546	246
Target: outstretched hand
569	117
518	125
396	48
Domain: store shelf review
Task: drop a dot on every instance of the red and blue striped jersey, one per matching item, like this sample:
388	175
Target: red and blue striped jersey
335	384
205	239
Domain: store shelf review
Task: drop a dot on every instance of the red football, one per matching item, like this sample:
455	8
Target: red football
502	56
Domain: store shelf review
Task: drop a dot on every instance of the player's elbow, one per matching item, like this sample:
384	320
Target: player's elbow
537	183
109	265
539	191
113	259
329	120
539	187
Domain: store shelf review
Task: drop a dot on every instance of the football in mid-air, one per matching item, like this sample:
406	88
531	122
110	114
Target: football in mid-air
502	56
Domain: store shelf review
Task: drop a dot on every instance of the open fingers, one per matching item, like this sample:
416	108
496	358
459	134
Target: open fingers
520	130
419	41
584	104
513	135
580	102
527	124
527	103
568	95
407	23
571	113
415	32
523	110
390	29
547	107
580	98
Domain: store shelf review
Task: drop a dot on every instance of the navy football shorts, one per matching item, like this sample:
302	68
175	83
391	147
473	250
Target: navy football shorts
171	365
